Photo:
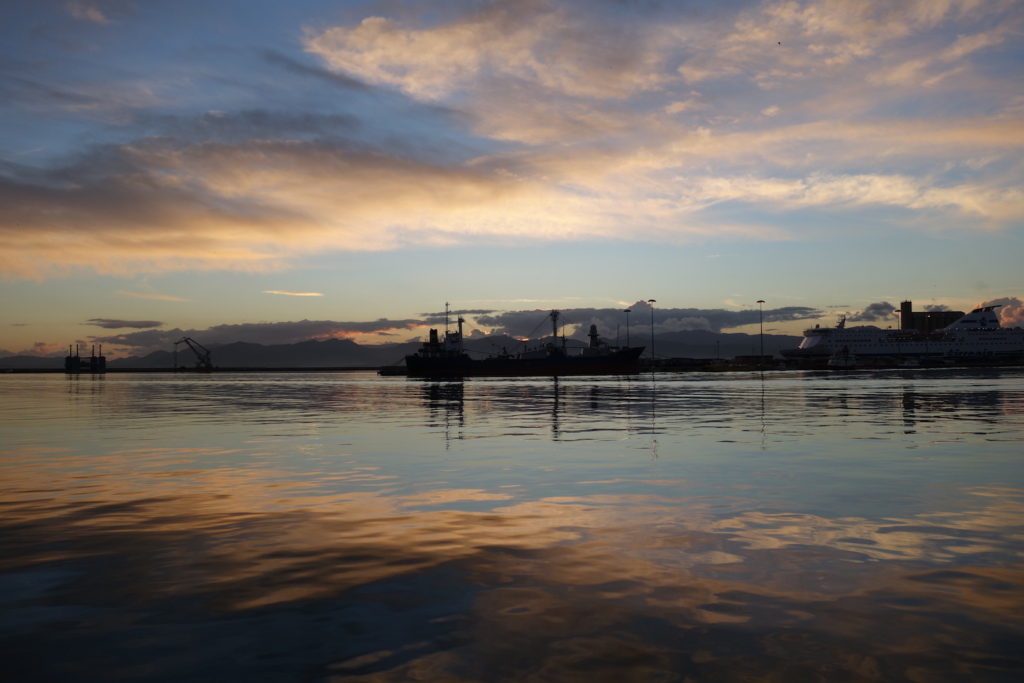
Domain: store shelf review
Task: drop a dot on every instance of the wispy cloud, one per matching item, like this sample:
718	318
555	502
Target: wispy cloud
85	10
295	67
147	295
116	324
284	293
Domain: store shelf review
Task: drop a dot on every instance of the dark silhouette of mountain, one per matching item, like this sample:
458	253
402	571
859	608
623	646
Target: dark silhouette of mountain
706	344
330	353
346	353
31	363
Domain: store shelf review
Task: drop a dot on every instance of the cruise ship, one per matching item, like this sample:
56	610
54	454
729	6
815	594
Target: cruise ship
977	337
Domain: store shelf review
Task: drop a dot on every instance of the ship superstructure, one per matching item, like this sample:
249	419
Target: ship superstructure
446	356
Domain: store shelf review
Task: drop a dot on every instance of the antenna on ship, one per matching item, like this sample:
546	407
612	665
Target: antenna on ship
446	317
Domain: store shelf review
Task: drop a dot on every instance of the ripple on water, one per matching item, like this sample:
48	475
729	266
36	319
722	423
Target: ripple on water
348	526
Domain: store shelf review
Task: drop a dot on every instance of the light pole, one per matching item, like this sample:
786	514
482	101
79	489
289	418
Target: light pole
760	319
627	326
651	302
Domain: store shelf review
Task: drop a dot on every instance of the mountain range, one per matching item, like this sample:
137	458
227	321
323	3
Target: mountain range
336	353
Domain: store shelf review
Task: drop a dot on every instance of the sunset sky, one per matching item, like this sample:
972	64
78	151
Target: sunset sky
275	171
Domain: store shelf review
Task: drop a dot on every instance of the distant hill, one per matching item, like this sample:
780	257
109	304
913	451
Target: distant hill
308	354
347	353
705	344
30	363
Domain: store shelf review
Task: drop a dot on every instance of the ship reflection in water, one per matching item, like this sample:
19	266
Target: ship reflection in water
790	527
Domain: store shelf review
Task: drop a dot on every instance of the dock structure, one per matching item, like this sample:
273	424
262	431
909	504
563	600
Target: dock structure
92	364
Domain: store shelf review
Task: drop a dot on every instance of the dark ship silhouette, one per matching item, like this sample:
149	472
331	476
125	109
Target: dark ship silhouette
447	357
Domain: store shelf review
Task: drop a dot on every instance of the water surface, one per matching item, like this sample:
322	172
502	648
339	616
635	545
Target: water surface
265	527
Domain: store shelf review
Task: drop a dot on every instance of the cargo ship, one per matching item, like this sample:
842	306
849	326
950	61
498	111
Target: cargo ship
446	356
977	337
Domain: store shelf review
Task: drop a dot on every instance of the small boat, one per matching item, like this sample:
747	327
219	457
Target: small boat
447	357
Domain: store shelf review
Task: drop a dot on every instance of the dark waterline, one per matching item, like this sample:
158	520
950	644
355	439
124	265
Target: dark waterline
784	526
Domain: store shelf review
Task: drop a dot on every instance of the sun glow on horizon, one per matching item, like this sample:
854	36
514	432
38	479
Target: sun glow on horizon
377	159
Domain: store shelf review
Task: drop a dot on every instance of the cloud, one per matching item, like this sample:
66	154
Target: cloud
881	310
114	324
1011	311
569	121
521	323
156	206
547	43
248	124
109	96
86	11
155	297
440	316
330	77
784	41
530	323
33	93
930	69
839	191
283	293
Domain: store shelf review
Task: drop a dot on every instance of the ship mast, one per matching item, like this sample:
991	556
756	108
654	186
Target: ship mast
554	327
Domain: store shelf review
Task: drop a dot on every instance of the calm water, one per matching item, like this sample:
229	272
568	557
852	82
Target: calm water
278	527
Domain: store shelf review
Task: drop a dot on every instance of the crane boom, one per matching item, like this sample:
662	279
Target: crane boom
203	361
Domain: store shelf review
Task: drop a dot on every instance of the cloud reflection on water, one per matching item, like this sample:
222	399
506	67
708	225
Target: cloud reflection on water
605	584
343	531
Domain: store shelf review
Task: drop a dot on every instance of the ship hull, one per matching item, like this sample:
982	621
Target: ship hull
990	345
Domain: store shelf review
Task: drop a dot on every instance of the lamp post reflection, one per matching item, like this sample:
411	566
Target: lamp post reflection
652	302
760	319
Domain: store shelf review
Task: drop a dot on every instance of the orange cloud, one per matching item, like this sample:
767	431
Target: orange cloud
536	41
576	128
283	293
155	297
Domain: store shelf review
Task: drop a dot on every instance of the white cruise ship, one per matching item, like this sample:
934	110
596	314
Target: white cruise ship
976	337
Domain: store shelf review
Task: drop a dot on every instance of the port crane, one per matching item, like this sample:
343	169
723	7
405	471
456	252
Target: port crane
203	361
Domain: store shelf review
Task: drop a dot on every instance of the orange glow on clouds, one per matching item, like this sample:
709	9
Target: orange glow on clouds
583	128
284	293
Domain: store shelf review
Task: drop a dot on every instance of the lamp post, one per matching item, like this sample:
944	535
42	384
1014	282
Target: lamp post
760	319
651	302
627	326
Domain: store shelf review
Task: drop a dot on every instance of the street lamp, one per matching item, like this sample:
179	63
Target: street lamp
651	302
760	318
627	326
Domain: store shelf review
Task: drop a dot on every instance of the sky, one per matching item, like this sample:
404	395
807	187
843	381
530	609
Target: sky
279	171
